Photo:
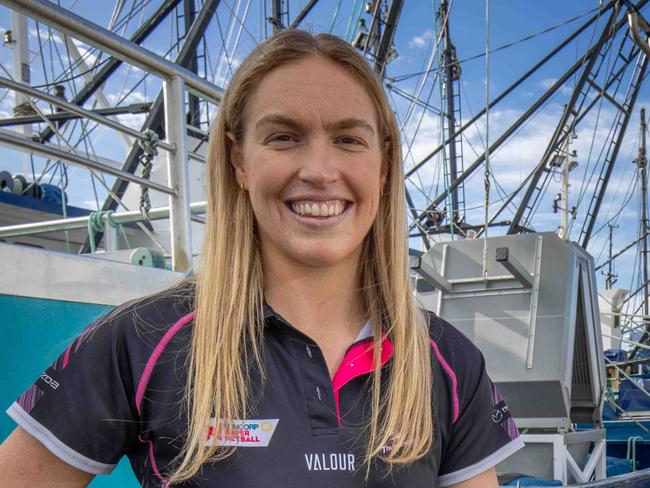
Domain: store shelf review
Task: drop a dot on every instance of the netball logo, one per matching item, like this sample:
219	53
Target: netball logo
241	433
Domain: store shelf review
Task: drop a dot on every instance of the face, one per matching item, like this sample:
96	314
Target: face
312	162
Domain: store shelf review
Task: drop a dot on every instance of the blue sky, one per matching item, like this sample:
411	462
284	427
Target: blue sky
511	20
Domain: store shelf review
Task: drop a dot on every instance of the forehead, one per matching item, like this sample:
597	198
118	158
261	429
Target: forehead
311	89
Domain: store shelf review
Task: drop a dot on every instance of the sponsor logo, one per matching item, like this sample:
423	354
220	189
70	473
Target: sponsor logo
500	413
241	433
335	461
49	381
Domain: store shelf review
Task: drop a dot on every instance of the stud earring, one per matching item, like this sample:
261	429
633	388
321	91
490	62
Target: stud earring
243	190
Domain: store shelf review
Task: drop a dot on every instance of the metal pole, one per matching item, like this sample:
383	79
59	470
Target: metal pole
59	116
15	141
276	15
75	109
178	171
20	48
564	226
112	64
83	67
618	253
155	116
640	75
642	163
501	140
69	23
448	58
567	119
611	279
194	109
387	36
519	81
82	222
302	14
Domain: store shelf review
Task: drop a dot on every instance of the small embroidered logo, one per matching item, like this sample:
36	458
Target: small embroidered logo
241	433
500	413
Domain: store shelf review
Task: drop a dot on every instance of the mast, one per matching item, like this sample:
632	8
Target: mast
194	109
642	163
277	15
19	42
567	167
611	275
451	75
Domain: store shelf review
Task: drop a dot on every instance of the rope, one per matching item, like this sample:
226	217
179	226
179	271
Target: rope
486	176
149	146
97	222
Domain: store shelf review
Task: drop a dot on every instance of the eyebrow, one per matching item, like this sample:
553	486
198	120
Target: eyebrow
348	123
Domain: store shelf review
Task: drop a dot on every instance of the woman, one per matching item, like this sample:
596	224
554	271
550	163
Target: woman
299	356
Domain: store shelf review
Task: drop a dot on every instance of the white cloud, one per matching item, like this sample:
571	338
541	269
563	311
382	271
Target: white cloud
418	42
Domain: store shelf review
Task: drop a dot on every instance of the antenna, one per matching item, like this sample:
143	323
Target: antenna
612	277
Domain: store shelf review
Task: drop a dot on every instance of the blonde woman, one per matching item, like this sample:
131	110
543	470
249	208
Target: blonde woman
298	357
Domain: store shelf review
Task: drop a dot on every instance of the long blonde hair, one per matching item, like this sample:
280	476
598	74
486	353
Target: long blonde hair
229	322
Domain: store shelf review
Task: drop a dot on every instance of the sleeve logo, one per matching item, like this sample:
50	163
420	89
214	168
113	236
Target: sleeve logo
241	433
500	413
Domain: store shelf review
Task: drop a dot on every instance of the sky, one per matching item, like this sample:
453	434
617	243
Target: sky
529	28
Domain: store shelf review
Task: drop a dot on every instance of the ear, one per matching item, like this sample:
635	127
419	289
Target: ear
236	159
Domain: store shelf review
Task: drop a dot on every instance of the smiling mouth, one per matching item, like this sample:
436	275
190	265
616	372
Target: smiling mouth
320	209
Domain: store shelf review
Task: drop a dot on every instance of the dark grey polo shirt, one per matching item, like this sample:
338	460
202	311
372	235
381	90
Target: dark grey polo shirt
118	390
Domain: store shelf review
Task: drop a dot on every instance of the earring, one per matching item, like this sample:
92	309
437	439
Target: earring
243	190
381	192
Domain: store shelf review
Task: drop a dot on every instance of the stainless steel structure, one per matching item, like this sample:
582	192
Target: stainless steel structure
535	319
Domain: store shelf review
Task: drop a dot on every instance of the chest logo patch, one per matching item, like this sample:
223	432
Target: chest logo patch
241	433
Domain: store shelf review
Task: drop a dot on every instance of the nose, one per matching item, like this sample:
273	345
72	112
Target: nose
318	163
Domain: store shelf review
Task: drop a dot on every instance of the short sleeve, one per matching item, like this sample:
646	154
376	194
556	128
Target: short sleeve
82	407
483	433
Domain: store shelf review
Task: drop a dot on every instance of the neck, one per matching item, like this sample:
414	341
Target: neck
324	303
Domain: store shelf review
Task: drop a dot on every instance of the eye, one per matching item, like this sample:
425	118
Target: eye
281	138
352	142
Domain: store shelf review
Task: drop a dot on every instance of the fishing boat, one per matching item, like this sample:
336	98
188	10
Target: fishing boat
103	185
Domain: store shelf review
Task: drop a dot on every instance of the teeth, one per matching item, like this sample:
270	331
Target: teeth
318	209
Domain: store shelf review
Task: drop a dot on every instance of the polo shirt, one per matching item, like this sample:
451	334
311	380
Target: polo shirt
118	390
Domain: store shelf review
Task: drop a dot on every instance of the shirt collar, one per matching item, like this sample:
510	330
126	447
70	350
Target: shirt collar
364	333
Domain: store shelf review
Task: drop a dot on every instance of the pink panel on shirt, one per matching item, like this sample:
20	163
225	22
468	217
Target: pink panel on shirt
357	362
153	359
452	377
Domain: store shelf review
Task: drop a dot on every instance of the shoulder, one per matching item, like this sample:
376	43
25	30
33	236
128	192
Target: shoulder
132	332
457	360
146	318
453	347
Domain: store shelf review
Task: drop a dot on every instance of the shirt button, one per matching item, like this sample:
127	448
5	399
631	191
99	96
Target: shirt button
308	350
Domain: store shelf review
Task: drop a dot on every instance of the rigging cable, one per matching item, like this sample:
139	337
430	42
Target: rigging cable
349	31
336	14
486	181
432	57
508	45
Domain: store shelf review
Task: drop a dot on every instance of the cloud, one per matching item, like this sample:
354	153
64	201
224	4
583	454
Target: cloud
547	83
418	42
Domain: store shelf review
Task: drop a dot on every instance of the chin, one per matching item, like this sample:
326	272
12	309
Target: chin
322	258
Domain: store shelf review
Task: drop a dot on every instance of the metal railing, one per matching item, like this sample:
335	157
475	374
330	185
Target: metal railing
176	80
